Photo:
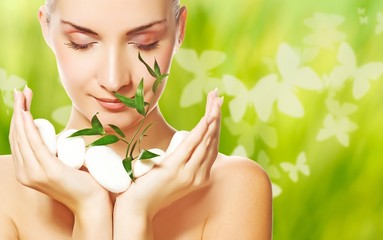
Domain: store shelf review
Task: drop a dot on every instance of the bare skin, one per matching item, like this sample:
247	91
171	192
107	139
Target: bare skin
195	193
221	210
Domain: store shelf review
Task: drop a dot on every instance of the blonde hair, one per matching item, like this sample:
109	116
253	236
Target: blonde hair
51	4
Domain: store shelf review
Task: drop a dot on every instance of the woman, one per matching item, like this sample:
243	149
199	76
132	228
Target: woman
195	193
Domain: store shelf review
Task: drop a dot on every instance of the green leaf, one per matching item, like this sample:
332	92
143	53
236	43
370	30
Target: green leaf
139	98
96	125
157	69
133	147
117	130
147	155
85	132
127	101
158	82
150	70
127	162
105	140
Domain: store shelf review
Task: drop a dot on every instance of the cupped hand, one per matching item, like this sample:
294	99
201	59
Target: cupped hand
37	168
184	171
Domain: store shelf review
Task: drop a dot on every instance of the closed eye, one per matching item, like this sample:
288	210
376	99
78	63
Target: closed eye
77	46
145	47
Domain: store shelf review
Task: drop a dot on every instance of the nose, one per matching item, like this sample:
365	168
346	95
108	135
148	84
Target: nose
114	73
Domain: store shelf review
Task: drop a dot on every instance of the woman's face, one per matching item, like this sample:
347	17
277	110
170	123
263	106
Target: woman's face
96	44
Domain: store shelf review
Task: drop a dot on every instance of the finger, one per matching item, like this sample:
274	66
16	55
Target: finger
38	148
18	162
21	146
28	97
208	148
12	133
214	144
198	167
209	101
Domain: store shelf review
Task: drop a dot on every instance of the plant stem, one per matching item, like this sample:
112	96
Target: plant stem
134	136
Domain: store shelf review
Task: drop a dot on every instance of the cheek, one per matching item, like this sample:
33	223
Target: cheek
74	71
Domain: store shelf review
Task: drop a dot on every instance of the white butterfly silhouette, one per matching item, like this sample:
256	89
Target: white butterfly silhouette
379	25
337	123
325	33
340	110
292	77
248	133
276	190
363	20
270	89
264	160
7	84
361	11
242	96
337	127
348	69
299	166
240	151
61	115
200	66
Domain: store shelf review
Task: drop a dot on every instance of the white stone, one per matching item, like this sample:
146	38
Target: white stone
107	169
71	151
141	167
177	138
47	133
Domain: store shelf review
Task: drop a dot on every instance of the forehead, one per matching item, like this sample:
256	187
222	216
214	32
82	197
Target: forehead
99	13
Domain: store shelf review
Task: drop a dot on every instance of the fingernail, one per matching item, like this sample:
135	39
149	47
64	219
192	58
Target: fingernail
216	92
220	101
16	95
26	88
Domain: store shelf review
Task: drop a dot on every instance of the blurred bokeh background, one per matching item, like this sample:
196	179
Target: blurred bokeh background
302	81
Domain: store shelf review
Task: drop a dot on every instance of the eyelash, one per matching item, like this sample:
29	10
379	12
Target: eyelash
147	47
141	47
77	46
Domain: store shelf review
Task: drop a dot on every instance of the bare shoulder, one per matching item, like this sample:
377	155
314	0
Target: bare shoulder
7	174
243	173
241	193
9	186
9	189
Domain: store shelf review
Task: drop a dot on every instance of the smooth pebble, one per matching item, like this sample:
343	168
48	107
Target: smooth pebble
47	133
107	169
175	142
141	167
71	151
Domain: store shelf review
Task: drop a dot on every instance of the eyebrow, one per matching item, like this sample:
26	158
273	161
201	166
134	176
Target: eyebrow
130	32
79	28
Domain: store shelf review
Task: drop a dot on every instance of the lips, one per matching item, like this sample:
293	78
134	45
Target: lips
111	104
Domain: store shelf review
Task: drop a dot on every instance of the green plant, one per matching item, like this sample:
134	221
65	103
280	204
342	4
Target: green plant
138	103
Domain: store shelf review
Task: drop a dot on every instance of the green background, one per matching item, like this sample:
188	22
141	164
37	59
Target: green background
333	189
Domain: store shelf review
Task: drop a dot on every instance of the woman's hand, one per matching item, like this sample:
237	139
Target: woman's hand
39	169
184	171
